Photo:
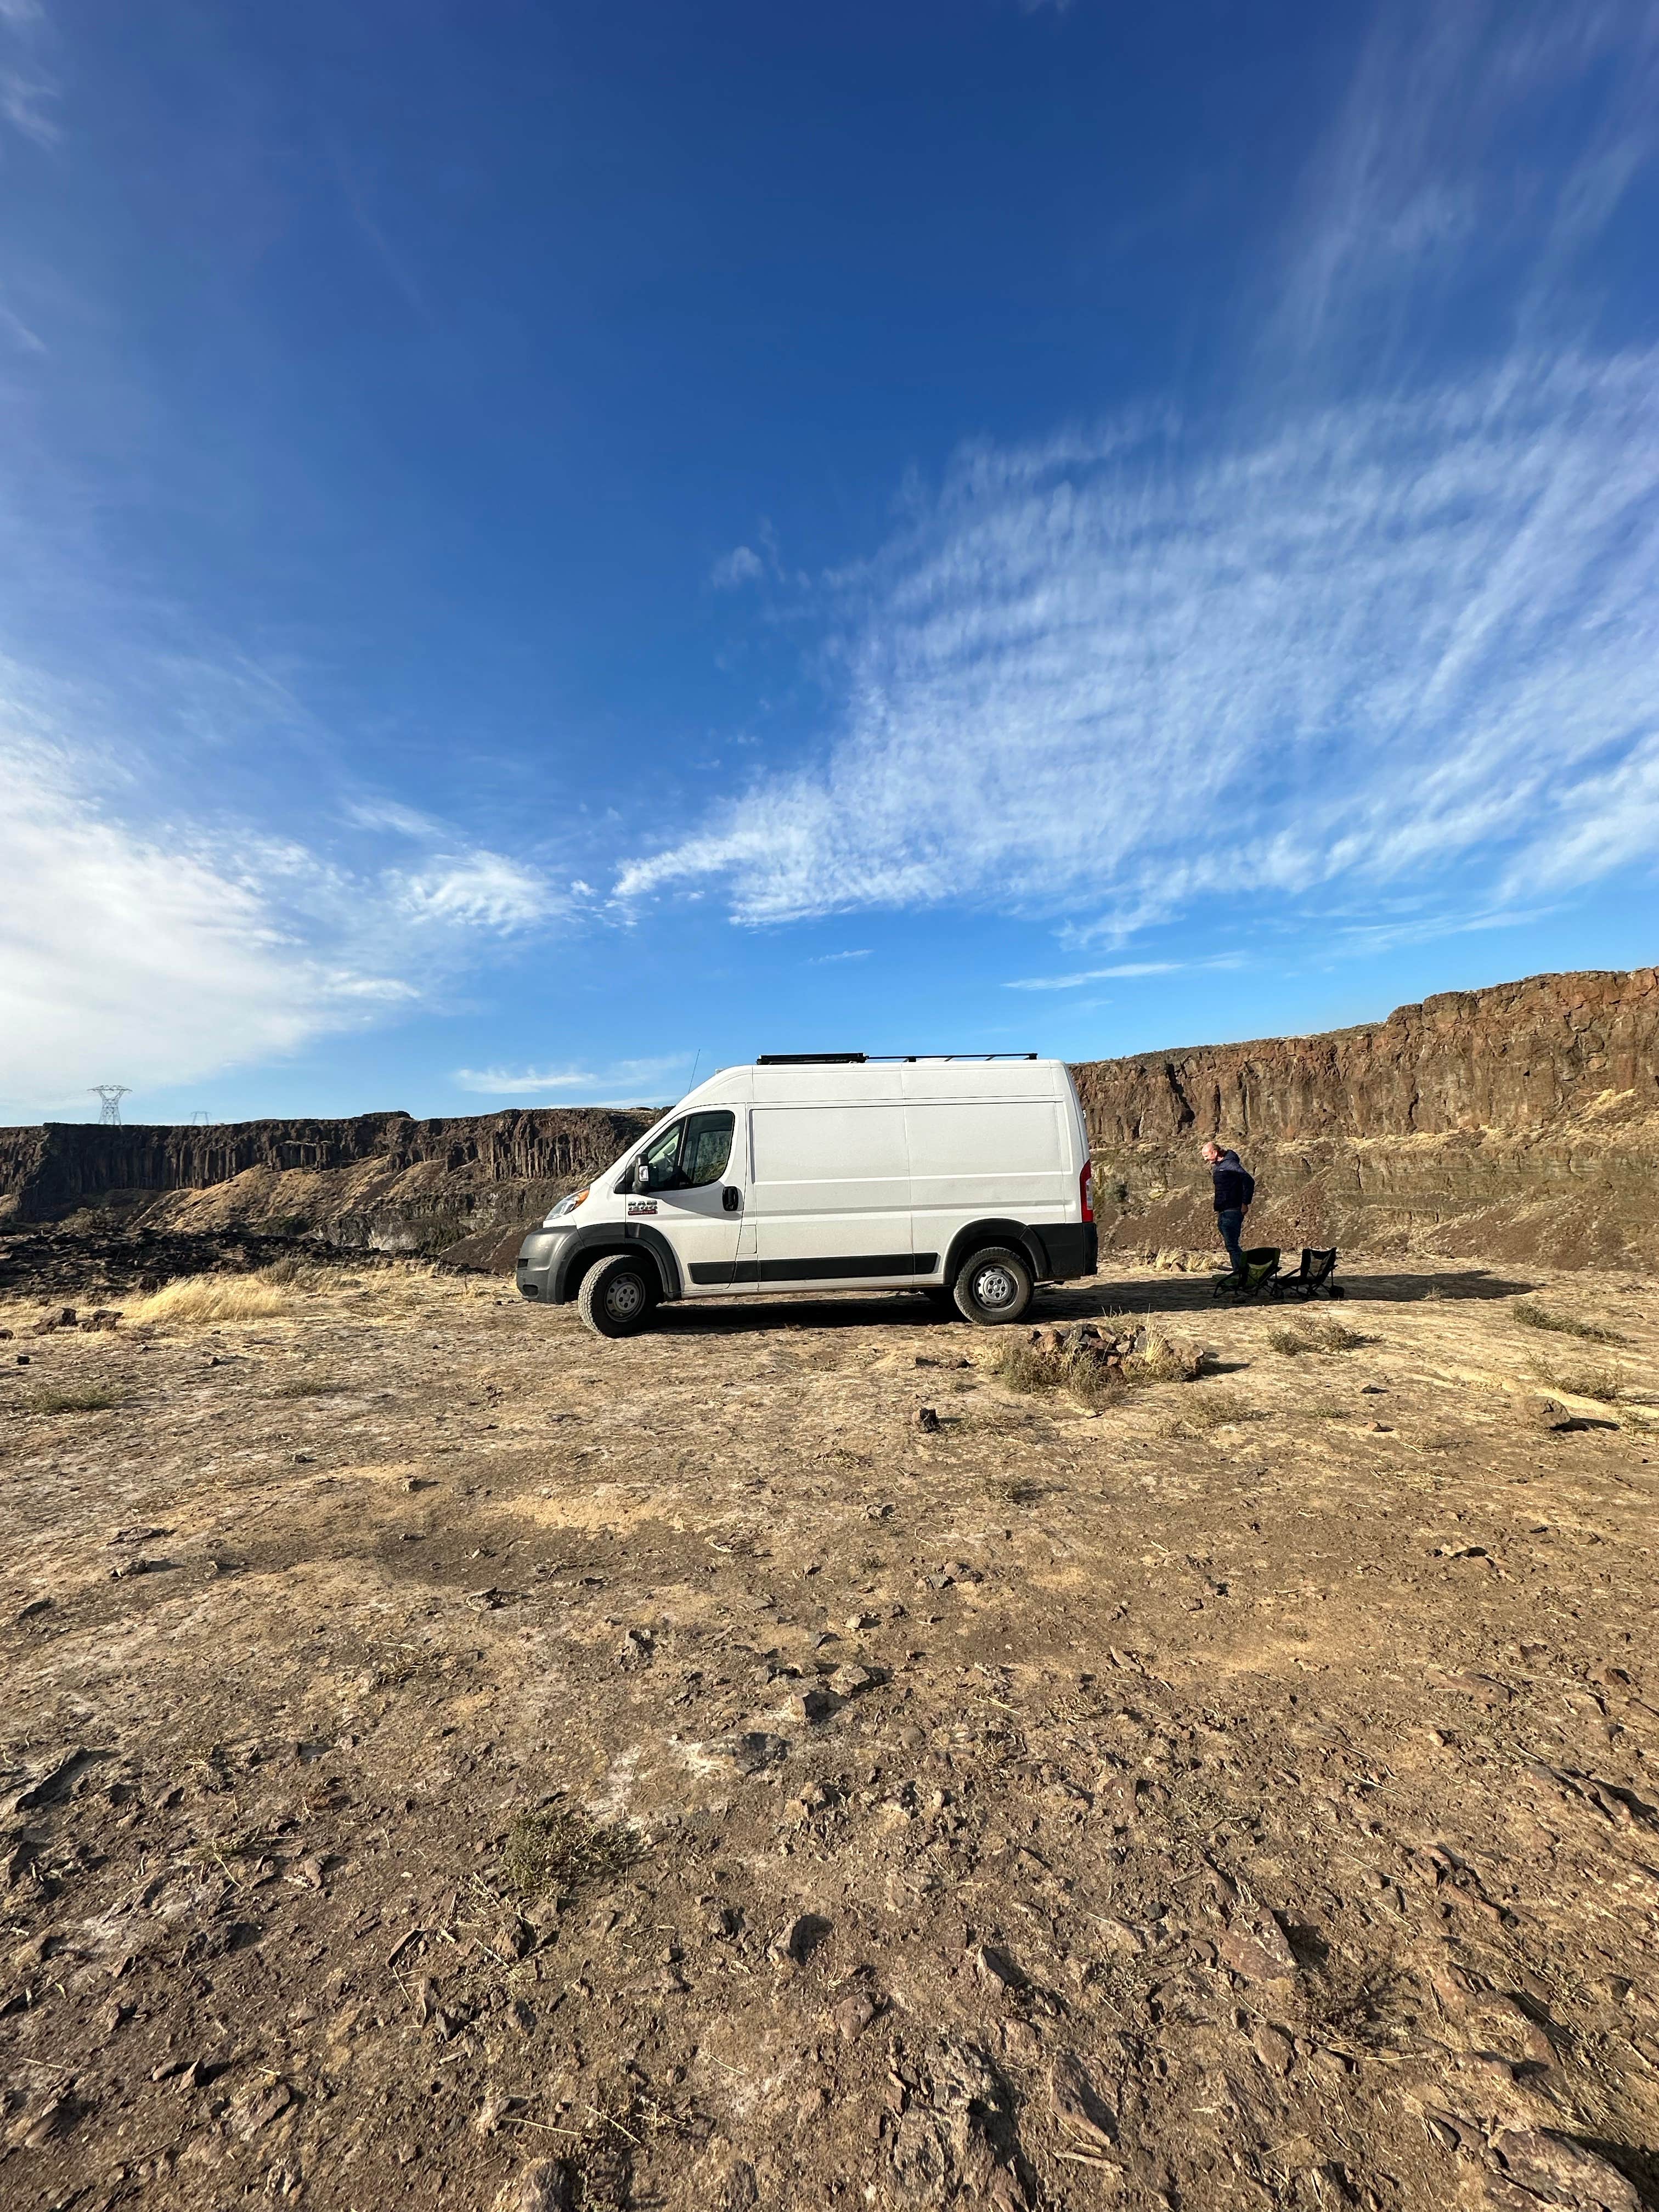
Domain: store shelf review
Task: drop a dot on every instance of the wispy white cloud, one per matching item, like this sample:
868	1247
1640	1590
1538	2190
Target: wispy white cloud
1368	630
833	959
153	951
631	1080
742	565
1119	671
478	891
1093	976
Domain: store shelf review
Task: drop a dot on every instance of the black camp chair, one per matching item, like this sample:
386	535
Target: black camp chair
1312	1279
1261	1273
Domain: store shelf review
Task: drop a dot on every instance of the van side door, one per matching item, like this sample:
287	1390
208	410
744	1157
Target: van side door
830	1195
691	1196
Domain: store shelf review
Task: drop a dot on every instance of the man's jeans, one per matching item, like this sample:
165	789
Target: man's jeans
1230	1221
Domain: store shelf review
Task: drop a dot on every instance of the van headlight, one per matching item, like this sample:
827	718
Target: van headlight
566	1206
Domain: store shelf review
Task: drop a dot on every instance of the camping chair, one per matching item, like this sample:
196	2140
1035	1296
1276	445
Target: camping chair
1261	1273
1313	1278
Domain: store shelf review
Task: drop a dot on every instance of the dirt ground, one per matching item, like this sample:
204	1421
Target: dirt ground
444	1754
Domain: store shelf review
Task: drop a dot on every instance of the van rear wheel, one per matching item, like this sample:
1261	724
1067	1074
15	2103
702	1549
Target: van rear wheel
994	1286
616	1295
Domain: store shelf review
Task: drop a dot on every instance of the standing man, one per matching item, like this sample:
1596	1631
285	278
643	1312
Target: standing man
1235	1186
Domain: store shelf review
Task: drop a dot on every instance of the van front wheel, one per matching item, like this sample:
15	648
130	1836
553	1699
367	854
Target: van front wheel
616	1295
995	1285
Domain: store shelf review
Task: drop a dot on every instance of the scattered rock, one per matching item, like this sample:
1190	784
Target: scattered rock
257	2106
814	1704
996	1968
926	1417
850	1682
1273	2047
638	1649
1551	2170
33	1609
796	1943
1082	2111
854	2013
546	2185
1255	1947
754	1750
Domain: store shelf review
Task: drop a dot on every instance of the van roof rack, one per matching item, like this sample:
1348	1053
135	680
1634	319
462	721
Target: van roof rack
859	1059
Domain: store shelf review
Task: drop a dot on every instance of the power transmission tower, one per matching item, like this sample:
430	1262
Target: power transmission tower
200	1119
112	1094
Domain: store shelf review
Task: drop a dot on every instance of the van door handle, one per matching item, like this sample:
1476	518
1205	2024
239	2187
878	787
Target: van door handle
731	1200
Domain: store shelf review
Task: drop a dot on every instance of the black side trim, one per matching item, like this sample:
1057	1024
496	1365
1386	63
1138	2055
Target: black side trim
843	1267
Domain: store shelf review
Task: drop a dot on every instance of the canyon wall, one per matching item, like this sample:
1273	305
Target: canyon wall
379	1181
1520	1122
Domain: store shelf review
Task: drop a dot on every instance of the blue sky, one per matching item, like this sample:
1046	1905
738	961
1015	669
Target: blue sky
541	546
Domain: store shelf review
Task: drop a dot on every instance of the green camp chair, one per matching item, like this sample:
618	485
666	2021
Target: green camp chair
1260	1273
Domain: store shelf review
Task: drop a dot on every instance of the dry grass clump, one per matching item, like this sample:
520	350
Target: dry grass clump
205	1298
1531	1314
1603	1383
1203	1412
1310	1335
559	1850
1095	1365
92	1399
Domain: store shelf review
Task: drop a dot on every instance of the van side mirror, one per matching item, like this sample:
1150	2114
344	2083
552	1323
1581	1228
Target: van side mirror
640	1178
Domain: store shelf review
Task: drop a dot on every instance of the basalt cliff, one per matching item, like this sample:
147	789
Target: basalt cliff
379	1182
1516	1123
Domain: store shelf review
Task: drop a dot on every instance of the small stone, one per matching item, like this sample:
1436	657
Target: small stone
853	2013
1079	2106
754	1750
849	1681
926	1417
797	1942
545	2186
997	1968
258	2106
1255	1947
33	1609
1273	2047
815	1704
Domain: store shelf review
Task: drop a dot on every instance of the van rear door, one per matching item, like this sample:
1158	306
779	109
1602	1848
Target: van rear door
829	1195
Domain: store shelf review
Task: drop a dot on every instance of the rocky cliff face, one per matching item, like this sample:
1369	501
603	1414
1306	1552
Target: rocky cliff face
1516	1123
1519	1122
380	1182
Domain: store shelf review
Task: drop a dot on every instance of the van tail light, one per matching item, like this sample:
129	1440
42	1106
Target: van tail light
1086	1189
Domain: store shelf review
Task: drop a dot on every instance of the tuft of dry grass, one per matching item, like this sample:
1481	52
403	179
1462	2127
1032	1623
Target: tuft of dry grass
208	1299
1202	1412
1081	1369
92	1399
561	1849
1604	1383
1531	1314
1310	1335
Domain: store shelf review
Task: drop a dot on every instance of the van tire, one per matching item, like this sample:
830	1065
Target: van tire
617	1295
993	1286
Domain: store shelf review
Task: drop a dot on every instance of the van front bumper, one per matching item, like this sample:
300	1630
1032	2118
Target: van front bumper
538	1270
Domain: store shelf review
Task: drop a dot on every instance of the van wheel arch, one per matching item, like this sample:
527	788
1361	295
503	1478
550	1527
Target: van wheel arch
586	1256
994	1231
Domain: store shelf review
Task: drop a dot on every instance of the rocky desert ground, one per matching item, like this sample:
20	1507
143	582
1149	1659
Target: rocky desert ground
787	1761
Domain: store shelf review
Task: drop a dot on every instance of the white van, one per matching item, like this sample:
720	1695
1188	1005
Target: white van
965	1178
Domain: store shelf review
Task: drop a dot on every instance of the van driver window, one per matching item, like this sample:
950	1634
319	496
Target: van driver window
662	1158
707	1149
